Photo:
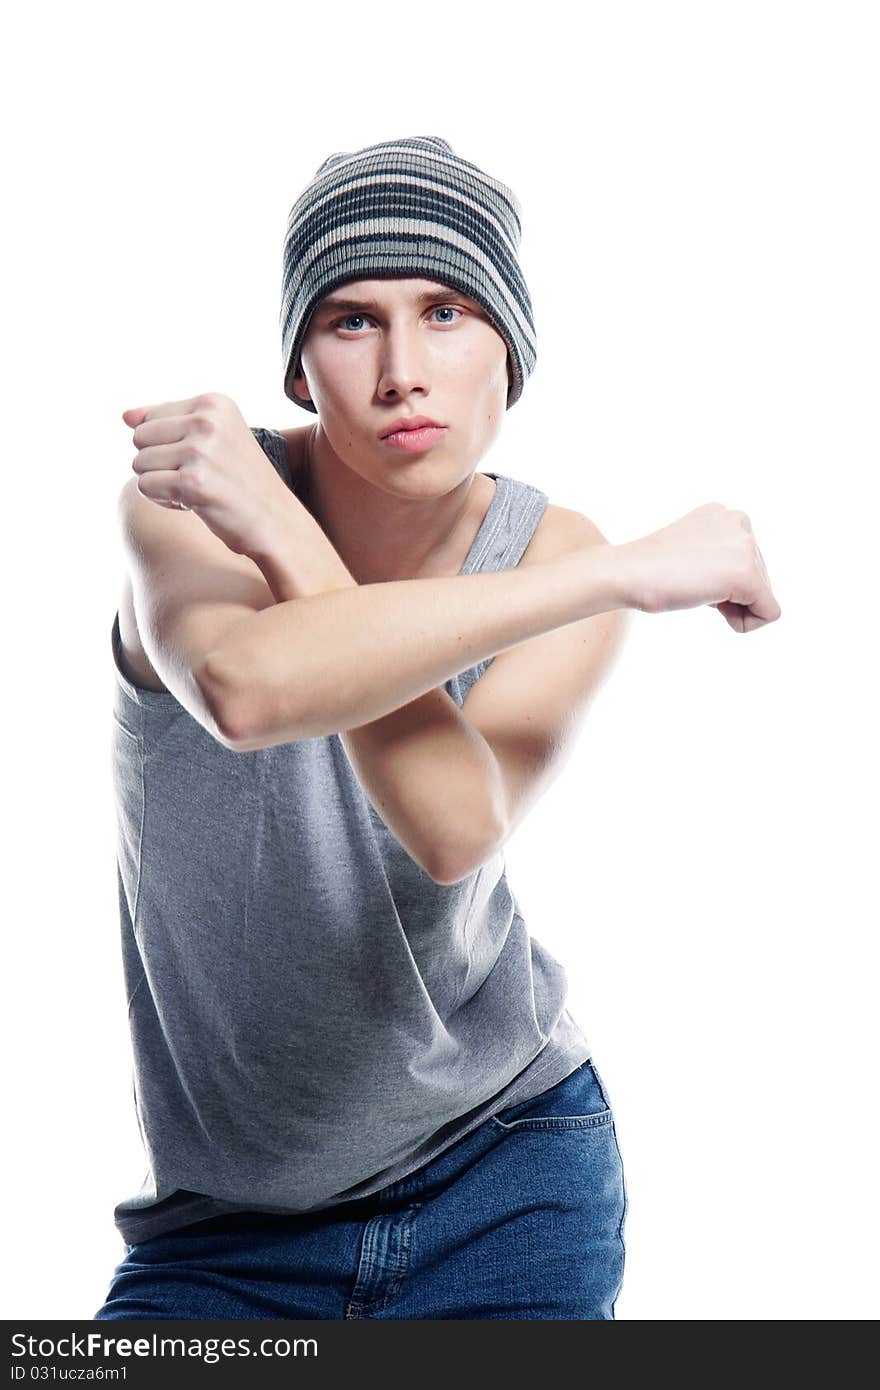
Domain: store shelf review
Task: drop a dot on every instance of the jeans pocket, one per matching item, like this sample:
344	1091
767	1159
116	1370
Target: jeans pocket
579	1101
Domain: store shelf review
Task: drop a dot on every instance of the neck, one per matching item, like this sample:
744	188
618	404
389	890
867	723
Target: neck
381	535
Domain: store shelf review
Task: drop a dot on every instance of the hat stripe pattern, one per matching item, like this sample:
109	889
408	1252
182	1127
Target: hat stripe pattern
409	199
406	207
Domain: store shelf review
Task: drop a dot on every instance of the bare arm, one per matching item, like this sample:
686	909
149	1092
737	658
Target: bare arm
368	662
428	773
332	661
449	794
442	789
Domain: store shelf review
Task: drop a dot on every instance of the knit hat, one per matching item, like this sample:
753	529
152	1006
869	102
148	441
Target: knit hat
406	207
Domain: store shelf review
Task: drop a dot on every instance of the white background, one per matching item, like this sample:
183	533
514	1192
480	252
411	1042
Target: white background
700	234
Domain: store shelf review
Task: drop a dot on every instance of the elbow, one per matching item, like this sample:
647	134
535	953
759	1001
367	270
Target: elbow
453	865
447	876
229	709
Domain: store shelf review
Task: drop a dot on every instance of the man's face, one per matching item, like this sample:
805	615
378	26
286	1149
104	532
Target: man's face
378	349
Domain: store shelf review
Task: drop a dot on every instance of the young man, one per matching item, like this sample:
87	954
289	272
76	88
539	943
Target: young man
347	666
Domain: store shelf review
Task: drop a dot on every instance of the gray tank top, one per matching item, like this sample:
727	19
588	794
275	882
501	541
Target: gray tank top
312	1017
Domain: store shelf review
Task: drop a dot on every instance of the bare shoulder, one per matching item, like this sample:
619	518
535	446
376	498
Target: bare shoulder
530	703
561	529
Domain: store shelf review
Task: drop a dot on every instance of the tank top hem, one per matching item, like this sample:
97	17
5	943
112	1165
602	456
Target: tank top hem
558	1059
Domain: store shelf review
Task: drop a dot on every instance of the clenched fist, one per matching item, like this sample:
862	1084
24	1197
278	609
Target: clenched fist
200	454
710	556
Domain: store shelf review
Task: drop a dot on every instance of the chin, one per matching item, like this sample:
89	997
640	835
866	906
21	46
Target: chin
423	479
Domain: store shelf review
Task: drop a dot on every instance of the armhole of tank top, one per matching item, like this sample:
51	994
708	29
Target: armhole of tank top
274	446
532	503
133	694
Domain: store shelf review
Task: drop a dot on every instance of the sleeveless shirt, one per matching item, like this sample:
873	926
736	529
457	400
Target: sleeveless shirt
312	1017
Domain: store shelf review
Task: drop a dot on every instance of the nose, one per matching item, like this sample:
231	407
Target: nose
403	364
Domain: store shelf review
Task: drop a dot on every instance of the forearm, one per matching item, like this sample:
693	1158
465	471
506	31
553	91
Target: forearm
331	661
434	781
299	559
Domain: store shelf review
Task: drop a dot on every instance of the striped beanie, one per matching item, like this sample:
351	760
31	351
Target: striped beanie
406	207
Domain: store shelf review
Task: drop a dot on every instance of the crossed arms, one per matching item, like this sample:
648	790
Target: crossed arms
272	648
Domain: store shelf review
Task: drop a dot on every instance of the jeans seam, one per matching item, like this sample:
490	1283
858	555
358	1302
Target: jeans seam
560	1122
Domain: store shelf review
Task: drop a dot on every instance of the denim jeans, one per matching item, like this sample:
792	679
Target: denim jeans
522	1218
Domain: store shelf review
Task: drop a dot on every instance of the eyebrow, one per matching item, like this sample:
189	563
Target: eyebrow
427	296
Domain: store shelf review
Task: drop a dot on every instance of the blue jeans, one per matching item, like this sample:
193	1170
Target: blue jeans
522	1218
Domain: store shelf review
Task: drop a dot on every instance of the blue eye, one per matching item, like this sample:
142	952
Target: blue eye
343	322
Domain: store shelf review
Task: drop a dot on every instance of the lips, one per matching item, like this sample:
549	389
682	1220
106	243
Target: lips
411	422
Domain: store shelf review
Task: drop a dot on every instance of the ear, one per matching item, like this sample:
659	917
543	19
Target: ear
300	386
